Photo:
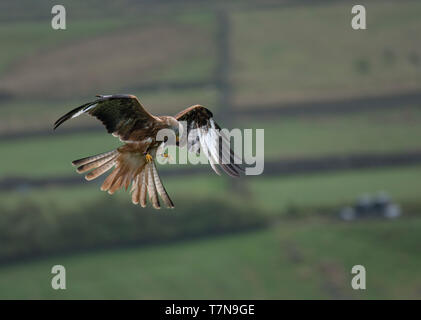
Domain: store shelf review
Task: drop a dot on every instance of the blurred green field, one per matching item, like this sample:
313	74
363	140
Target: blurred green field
22	73
341	63
279	55
84	194
23	39
319	61
307	259
368	131
325	192
301	136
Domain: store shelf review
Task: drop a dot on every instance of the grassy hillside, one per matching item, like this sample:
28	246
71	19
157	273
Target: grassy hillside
133	58
317	192
331	190
25	38
314	54
73	198
301	136
278	54
303	259
339	134
280	66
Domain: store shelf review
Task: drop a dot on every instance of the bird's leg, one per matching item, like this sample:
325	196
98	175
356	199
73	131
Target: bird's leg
148	157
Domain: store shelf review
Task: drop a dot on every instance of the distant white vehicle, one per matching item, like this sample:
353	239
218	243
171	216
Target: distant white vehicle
379	206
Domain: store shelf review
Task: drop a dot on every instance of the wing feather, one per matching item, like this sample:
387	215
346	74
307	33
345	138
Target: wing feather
207	147
120	114
204	134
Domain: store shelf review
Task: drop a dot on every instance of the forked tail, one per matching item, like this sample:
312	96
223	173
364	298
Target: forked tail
129	169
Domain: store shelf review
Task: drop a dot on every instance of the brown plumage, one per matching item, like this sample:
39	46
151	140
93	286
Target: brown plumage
133	162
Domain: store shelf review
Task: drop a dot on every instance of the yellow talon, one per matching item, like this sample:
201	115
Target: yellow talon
148	158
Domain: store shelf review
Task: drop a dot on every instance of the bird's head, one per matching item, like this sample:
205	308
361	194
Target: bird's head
176	126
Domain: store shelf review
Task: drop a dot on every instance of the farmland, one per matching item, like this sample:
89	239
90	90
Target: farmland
301	259
276	55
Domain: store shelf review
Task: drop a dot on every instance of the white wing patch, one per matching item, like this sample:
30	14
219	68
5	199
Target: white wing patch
83	110
215	146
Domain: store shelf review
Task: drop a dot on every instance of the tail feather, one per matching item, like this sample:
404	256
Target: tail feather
153	196
87	160
101	170
129	169
96	163
135	190
161	189
143	189
116	184
108	182
127	180
117	180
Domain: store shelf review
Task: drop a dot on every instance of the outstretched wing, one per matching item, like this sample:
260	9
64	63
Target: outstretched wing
202	133
120	114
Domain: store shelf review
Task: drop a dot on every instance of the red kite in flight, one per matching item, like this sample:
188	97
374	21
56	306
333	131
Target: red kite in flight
125	117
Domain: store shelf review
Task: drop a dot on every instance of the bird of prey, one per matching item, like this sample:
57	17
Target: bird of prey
133	162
